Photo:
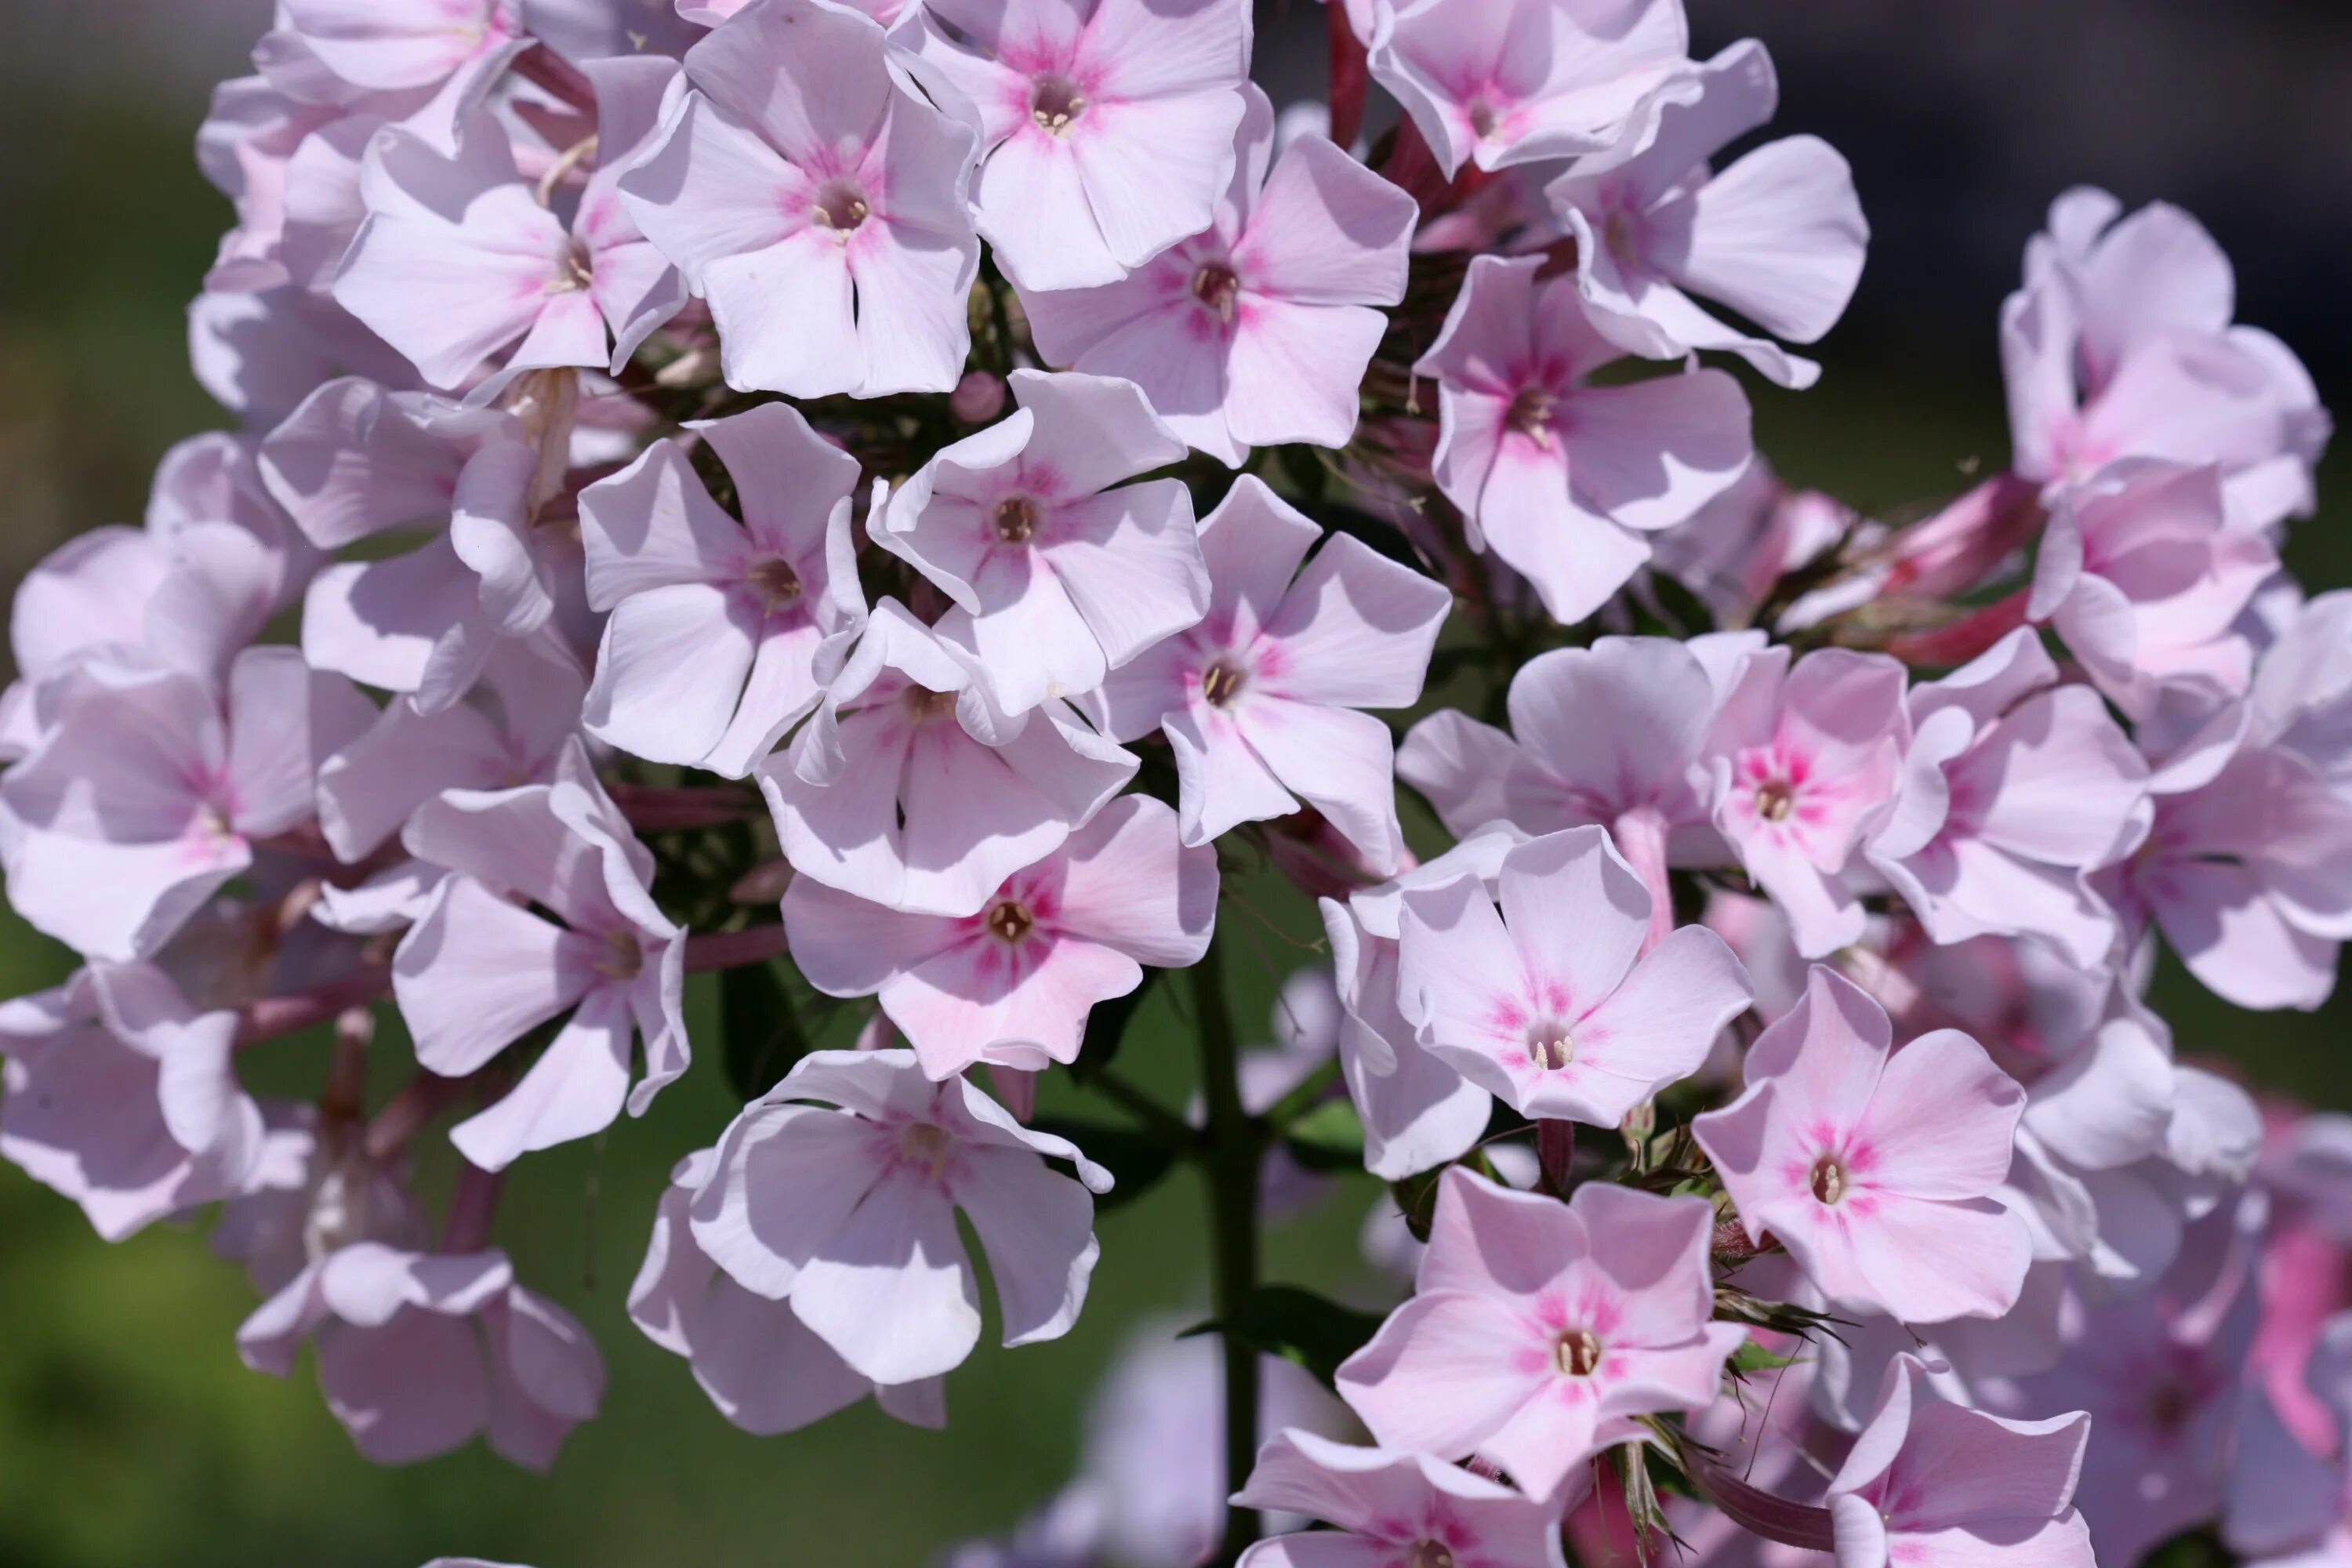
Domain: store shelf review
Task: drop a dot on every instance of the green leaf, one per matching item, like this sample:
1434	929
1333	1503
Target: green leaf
1329	1138
1136	1161
1107	1028
1752	1357
761	1030
1298	1325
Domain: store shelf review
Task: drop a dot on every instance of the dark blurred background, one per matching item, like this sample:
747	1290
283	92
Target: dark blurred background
128	1432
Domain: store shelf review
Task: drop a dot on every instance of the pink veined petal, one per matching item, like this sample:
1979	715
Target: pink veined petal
1153	168
812	80
1465	769
1127	883
1030	642
1222	781
1178	355
846	833
785	1178
1576	559
1356	628
1253	543
1038	1227
961	1006
2236	942
1157	51
1442	1376
1030	201
762	1367
711	190
1648	454
652	525
408	1389
1321	1549
447	304
382	622
1328	231
971	821
1131	561
1459	980
1294	370
1780	238
1576	914
1943	1121
1930	1262
271	756
913	289
1825	1056
1486	1239
669	672
788	479
849	946
1619	723
786	318
1090	431
568	330
1662	1023
1340	762
891	1290
1544	1441
477	973
368	790
1962	1468
575	1089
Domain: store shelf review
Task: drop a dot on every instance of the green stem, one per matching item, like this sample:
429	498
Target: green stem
1232	1149
1154	1116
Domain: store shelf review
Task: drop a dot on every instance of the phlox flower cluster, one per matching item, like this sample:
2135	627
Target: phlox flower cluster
921	516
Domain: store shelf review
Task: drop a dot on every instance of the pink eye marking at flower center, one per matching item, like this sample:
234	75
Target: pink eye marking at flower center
1221	685
1056	104
1427	1553
1550	1046
1531	414
841	207
2169	1406
1828	1179
1617	233
575	271
775	581
623	959
1011	920
1484	119
1016	520
927	1148
1577	1352
1217	286
1775	799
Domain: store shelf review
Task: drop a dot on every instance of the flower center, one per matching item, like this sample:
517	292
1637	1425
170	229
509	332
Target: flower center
575	271
1775	799
1828	1179
923	704
841	206
1427	1553
927	1148
1056	104
1011	920
2170	1406
1531	412
774	581
1577	1352
1015	519
623	958
1216	286
1617	234
1221	685
1550	1046
1483	119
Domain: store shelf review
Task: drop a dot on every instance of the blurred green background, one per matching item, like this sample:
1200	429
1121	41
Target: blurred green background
129	1431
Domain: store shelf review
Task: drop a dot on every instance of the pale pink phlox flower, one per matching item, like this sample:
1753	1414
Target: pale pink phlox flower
1259	701
848	1210
1538	1330
1391	1510
429	64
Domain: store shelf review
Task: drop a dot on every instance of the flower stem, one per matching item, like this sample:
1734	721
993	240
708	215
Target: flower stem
1233	1148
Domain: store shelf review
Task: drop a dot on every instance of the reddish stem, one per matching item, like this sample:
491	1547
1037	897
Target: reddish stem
707	951
1952	646
652	808
274	1016
1759	1511
1555	1153
472	1209
559	76
1351	76
411	1112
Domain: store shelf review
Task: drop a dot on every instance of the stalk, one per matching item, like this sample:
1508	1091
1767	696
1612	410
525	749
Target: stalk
1230	1152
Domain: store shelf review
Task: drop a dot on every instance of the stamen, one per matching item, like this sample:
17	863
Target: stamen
1828	1179
1221	685
1016	520
1531	414
1009	922
775	581
1775	799
927	1148
841	206
1550	1048
1217	286
1056	104
623	959
1427	1553
1577	1352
